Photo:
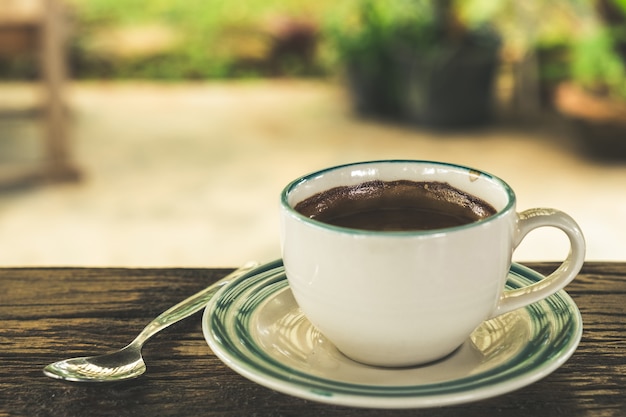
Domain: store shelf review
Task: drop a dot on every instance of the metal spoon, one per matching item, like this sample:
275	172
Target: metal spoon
127	362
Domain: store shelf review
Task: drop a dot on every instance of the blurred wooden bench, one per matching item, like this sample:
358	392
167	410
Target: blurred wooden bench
41	25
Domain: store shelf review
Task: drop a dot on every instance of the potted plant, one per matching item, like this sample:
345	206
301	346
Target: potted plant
594	96
415	60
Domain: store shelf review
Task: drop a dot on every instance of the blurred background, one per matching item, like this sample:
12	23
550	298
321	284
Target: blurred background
148	133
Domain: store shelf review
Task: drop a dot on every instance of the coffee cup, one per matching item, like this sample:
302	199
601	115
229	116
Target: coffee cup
389	290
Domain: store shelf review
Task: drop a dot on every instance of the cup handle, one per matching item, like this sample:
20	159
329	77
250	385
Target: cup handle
527	221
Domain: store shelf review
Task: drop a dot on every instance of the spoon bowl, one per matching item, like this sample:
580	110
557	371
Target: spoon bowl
127	363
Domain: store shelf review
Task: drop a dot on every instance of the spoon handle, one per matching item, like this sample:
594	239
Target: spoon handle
189	306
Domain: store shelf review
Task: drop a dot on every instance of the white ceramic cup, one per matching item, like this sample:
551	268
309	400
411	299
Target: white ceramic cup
408	298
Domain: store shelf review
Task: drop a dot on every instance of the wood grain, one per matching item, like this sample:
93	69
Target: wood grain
48	314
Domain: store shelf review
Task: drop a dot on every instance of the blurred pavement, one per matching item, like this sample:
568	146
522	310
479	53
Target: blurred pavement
190	174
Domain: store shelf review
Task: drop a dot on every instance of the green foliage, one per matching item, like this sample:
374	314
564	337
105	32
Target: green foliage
596	66
200	25
598	55
621	4
373	28
370	31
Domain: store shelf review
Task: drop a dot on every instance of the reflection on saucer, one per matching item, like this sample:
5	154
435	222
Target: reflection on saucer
506	333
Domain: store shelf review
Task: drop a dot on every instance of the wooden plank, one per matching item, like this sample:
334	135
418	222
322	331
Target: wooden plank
52	313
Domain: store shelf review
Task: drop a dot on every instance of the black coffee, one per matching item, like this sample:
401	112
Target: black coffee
396	206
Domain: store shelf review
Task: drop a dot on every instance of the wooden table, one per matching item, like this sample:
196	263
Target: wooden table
47	314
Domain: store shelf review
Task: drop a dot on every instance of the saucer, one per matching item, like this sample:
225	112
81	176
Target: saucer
255	326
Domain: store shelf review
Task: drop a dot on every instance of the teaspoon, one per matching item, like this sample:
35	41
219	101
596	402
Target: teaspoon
127	363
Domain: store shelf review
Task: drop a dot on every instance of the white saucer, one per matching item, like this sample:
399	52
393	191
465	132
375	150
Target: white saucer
255	326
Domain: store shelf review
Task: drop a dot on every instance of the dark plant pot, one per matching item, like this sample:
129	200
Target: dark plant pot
447	87
598	122
376	90
602	140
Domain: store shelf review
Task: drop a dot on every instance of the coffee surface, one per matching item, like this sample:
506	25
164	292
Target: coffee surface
401	205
